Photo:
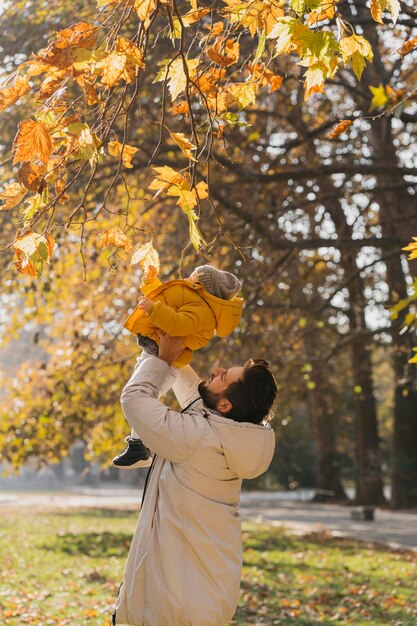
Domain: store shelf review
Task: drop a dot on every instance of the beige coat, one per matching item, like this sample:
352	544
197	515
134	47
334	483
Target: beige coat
184	564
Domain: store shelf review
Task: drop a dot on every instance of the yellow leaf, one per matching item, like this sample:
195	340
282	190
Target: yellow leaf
10	95
133	53
376	11
113	69
144	9
185	145
115	237
412	248
164	178
32	142
146	257
175	75
394	8
355	43
118	149
379	97
314	81
12	194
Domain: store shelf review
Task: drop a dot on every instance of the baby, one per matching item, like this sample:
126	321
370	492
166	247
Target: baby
194	308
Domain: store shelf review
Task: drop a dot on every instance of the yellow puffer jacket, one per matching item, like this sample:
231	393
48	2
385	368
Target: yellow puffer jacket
184	308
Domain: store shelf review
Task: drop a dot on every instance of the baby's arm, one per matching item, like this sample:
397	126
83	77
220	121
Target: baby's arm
187	320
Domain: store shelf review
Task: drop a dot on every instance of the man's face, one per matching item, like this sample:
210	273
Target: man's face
212	390
221	378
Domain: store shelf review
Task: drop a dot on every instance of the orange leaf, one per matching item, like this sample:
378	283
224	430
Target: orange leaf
376	11
12	94
224	54
181	108
185	145
118	149
12	194
408	46
115	237
340	128
32	142
81	34
275	83
30	175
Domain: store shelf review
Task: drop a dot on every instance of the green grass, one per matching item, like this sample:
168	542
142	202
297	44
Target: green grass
64	568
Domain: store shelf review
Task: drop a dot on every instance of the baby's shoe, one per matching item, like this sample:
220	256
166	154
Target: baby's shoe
135	455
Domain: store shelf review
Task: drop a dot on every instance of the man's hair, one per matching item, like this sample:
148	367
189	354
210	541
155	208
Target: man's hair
253	396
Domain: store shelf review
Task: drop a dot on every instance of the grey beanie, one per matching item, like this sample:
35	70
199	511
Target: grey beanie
217	282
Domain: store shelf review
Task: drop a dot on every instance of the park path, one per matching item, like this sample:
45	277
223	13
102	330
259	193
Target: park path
395	529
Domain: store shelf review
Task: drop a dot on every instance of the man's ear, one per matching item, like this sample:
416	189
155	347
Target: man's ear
223	405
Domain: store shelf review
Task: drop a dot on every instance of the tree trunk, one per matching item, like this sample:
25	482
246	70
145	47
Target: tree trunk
369	484
328	482
398	213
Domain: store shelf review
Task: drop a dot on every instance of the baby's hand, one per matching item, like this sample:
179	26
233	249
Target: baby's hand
146	305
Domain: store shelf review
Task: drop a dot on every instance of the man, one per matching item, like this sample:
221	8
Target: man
184	564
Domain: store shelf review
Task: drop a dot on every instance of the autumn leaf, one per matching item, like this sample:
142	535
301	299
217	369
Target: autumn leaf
165	176
340	128
379	97
32	251
185	145
244	93
30	175
32	142
81	34
175	75
114	68
146	257
376	10
144	9
393	7
408	46
412	248
314	80
133	53
10	95
325	11
224	53
115	237
11	195
126	152
181	108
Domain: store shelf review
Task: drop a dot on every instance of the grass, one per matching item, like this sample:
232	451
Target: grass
64	568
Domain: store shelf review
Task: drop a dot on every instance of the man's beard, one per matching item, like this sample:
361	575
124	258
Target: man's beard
209	398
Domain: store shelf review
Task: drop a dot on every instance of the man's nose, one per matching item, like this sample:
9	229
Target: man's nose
218	371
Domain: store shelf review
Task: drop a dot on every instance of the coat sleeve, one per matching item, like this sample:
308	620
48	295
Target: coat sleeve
170	434
187	320
186	386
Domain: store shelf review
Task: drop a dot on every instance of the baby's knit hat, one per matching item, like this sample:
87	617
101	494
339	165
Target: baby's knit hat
217	282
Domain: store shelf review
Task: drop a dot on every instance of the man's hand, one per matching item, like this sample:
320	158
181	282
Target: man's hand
146	305
170	348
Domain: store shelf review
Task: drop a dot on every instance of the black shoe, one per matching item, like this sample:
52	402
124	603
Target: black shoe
135	455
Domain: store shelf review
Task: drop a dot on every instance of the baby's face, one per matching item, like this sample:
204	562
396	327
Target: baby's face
194	277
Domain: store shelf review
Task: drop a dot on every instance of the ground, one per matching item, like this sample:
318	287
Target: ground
64	567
